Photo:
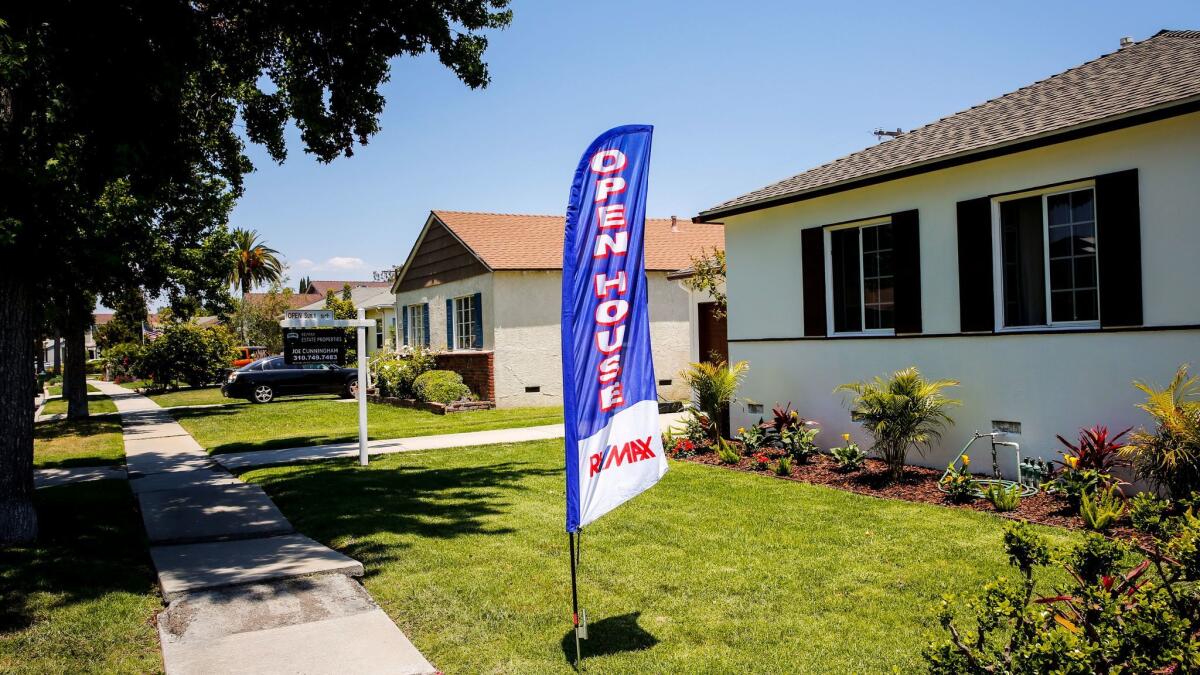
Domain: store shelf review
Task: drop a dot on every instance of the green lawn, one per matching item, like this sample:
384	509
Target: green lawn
56	389
83	598
711	571
185	396
88	442
97	403
292	422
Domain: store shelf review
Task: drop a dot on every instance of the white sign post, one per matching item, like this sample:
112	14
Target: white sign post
323	318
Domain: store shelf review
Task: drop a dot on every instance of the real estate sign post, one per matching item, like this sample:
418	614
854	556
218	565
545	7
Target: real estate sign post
613	441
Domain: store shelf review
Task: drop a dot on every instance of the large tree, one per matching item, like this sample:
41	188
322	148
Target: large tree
143	107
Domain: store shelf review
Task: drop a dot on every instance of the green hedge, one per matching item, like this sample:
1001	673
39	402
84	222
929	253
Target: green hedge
441	386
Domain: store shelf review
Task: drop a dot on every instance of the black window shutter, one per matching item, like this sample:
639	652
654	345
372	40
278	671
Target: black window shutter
1119	248
404	323
425	322
449	323
976	303
812	268
906	268
477	320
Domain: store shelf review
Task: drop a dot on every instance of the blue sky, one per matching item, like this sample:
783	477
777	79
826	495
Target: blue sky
741	95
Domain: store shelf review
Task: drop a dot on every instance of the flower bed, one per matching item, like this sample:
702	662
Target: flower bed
436	408
918	485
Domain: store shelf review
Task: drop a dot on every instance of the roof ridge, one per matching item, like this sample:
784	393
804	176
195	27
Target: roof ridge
914	137
545	215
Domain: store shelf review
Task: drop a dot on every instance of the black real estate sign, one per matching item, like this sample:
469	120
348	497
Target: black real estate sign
314	345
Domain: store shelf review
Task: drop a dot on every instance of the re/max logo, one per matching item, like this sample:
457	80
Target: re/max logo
633	451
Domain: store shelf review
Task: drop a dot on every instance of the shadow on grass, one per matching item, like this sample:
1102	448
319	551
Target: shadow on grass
182	414
338	502
613	635
78	432
89	545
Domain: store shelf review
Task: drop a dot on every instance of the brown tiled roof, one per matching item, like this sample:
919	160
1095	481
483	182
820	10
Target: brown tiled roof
518	242
295	300
336	286
1157	72
101	318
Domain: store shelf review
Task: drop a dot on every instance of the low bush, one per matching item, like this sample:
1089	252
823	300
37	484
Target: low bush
849	457
959	484
1100	510
395	373
441	386
94	367
195	355
752	436
124	361
1107	618
761	460
726	452
784	466
1004	499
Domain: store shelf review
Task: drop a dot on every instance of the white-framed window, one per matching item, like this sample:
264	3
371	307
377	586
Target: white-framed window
416	325
379	333
464	322
1045	267
859	278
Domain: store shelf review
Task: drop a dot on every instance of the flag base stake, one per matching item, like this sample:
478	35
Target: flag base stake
580	630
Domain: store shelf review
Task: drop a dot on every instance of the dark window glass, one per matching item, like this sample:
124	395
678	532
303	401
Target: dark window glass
1023	261
844	255
878	286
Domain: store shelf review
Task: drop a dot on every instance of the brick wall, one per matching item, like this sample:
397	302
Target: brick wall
478	370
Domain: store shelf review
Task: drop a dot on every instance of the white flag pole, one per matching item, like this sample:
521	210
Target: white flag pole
362	388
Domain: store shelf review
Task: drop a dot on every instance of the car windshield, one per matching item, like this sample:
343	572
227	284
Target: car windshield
261	364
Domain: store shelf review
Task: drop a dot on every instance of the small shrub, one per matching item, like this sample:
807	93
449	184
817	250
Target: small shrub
849	457
1149	514
1169	456
798	442
1107	618
94	366
1002	498
1096	450
1075	483
726	453
699	428
395	373
124	361
902	412
441	386
195	355
681	448
784	466
752	436
959	484
761	460
1101	510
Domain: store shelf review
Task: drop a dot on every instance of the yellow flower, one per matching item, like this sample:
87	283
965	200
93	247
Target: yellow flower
966	460
846	437
741	430
1072	461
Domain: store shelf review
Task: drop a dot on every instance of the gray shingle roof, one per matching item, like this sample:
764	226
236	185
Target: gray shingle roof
1159	71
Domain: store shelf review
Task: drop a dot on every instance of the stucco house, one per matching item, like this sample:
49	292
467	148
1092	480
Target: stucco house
484	289
1040	247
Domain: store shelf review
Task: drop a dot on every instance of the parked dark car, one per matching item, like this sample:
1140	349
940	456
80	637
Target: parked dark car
263	380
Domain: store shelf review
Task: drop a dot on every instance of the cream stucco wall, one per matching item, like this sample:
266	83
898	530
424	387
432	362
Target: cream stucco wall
1050	383
527	336
437	295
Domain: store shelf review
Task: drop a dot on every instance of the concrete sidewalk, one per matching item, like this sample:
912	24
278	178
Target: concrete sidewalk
235	461
229	563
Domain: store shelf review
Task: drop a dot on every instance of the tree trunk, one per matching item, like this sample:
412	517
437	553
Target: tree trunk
57	354
18	521
39	355
75	375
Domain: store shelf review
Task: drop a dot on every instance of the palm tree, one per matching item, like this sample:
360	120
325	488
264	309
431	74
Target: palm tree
715	385
903	411
256	262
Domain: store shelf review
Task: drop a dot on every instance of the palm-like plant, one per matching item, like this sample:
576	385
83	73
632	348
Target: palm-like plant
255	263
902	412
715	386
1169	456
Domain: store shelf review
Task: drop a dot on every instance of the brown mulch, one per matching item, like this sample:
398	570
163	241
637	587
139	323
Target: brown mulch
919	485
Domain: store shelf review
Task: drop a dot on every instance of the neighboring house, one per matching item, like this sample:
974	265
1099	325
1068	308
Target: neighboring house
1040	247
708	332
380	305
485	289
89	339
